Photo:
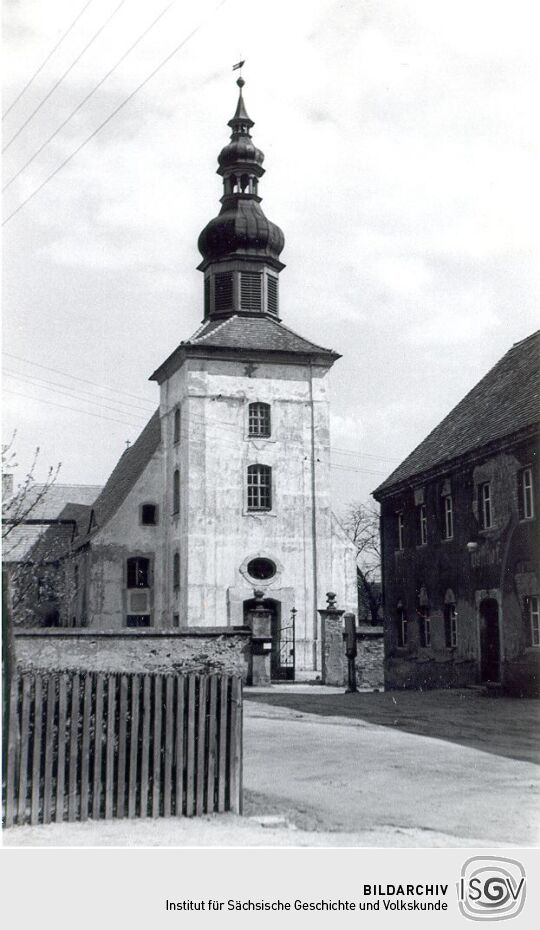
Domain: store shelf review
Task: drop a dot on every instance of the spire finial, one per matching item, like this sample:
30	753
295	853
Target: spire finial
240	83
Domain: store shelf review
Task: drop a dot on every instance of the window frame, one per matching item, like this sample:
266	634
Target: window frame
259	424
144	522
485	506
400	521
177	425
422	525
424	627
146	575
256	490
533	615
402	630
526	493
448	516
450	626
176	570
176	492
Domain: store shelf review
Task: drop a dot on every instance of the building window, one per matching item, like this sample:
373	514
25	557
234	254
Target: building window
250	290
259	424
525	494
425	627
138	573
75	581
401	627
421	525
223	296
272	290
177	425
149	514
138	620
448	516
450	626
176	491
400	529
485	508
531	608
206	296
176	619
259	487
261	569
176	570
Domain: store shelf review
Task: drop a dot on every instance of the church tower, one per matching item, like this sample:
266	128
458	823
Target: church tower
245	440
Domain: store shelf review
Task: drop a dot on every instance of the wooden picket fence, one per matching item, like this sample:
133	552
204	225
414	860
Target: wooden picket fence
96	745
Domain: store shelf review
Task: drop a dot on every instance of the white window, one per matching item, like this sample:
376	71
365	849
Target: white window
259	424
448	514
525	491
422	525
450	626
534	620
400	529
485	506
425	627
259	487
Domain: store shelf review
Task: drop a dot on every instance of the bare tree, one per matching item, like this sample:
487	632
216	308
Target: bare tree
361	523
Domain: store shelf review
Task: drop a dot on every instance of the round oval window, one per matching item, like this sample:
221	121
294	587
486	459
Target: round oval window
261	569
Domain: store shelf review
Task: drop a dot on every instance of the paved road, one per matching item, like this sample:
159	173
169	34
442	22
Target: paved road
327	773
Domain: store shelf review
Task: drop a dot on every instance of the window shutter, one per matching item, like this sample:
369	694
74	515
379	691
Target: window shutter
272	286
223	299
250	291
207	296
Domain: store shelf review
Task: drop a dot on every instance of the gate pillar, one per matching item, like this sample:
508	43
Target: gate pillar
332	652
260	622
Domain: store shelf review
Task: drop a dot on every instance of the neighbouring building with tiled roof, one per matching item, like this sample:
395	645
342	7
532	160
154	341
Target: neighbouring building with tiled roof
227	489
459	526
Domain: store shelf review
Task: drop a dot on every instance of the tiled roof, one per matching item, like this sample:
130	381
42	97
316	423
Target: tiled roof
253	332
246	334
504	402
127	471
56	497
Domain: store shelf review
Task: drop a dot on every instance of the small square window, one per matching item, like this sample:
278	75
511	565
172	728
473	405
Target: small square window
149	514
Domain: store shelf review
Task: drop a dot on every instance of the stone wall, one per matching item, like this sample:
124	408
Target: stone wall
370	658
333	659
210	649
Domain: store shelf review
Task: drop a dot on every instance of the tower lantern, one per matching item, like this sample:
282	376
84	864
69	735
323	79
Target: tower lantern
241	247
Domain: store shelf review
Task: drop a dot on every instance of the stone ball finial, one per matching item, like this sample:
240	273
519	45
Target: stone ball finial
240	82
258	595
330	600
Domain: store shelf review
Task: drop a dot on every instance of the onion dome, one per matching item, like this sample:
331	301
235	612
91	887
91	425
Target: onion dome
241	228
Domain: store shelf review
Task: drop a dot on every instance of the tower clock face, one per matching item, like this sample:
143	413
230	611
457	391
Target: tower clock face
261	569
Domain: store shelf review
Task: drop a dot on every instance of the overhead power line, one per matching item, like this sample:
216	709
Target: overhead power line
42	400
114	113
69	392
64	75
66	374
88	96
46	59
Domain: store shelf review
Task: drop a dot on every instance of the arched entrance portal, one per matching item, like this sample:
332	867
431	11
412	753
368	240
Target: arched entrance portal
282	655
490	647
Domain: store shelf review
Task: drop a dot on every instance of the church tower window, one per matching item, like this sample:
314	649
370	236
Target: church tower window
223	292
177	425
272	291
259	487
259	420
176	491
176	570
250	290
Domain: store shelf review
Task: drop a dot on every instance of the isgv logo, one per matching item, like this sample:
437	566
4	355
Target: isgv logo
491	888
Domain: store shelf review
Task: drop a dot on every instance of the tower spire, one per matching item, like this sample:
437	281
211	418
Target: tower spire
241	247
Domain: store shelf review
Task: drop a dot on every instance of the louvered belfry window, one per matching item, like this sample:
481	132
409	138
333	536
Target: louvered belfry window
250	290
223	292
272	286
259	487
207	296
259	419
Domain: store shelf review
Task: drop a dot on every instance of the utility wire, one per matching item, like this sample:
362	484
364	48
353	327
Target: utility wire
88	96
113	114
53	403
66	374
65	74
45	60
69	392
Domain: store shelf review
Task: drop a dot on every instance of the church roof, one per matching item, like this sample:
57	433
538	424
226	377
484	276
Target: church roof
505	402
129	468
246	334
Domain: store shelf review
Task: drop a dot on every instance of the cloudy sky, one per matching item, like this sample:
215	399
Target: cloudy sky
401	149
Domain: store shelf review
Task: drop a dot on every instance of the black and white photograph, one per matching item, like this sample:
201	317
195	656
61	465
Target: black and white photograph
270	483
